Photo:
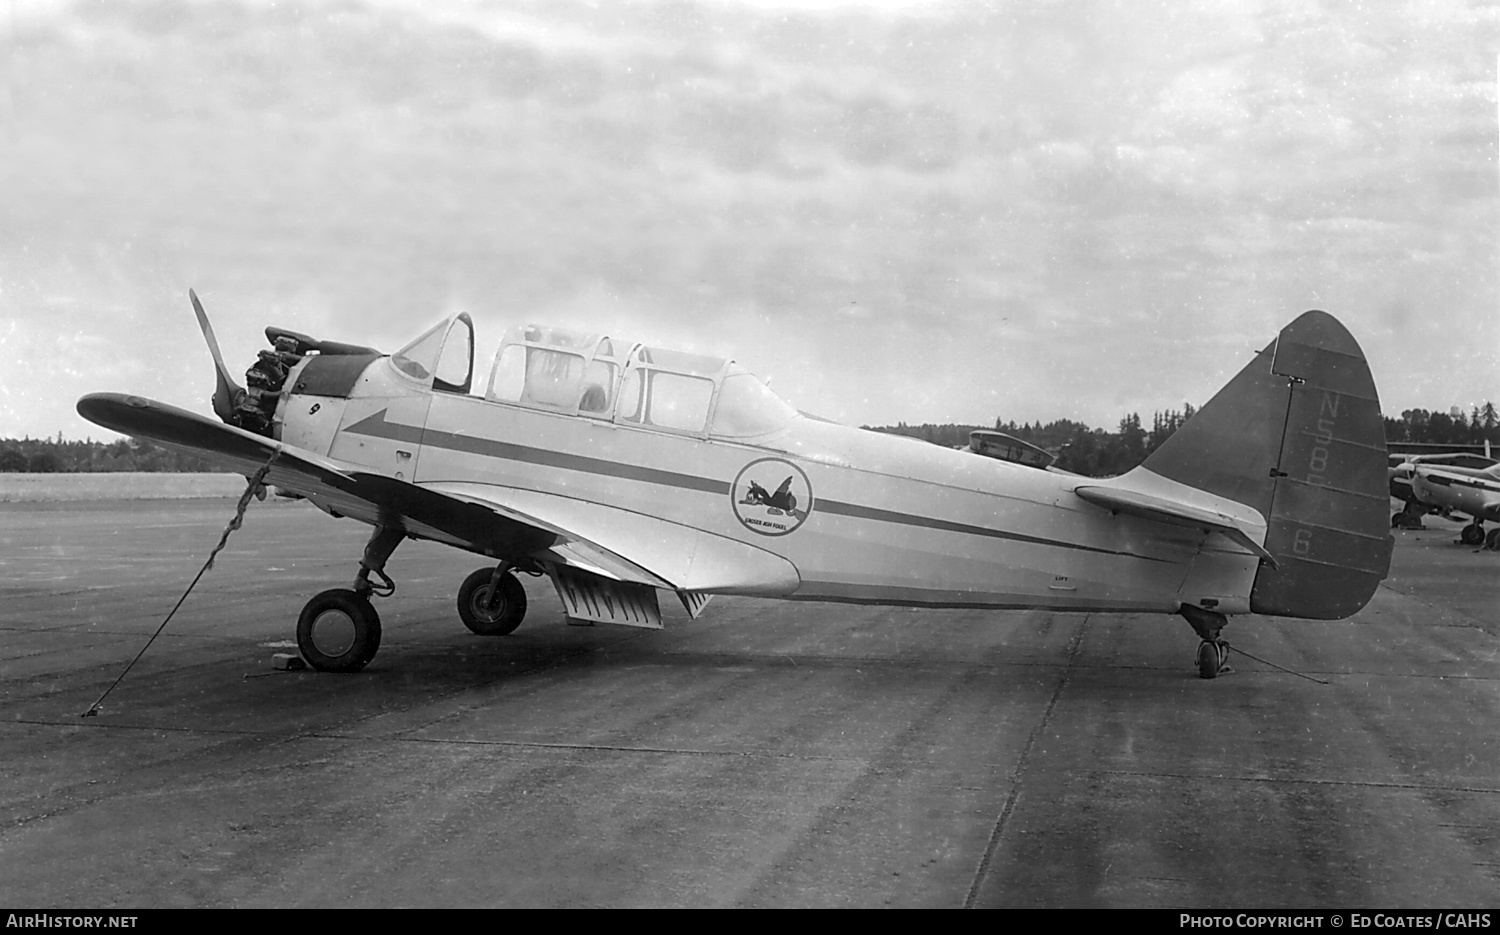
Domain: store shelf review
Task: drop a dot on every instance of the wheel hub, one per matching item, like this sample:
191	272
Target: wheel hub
484	608
333	632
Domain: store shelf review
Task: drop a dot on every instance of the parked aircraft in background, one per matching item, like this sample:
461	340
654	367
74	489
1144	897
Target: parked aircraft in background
1004	447
620	469
1403	469
1471	491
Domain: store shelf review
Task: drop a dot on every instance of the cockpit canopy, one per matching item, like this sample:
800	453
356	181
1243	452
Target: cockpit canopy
598	377
443	354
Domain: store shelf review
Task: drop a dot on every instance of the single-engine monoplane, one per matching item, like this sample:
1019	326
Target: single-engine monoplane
1452	488
620	469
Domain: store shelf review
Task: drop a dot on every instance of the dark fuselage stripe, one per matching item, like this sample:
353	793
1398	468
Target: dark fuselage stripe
907	519
377	426
1448	480
572	462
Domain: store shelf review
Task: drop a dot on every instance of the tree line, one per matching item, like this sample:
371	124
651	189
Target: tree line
60	456
1446	428
1079	448
1098	453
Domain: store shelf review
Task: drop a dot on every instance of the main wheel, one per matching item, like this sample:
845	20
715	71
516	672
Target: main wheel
474	603
1472	534
1492	541
338	631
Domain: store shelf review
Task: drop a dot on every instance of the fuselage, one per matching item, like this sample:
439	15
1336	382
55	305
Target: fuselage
1404	467
862	516
1469	491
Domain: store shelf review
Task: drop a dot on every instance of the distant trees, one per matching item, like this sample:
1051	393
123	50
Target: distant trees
1446	428
1097	453
1079	449
57	456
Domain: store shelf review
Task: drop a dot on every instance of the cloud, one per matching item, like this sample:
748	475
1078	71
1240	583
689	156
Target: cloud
943	211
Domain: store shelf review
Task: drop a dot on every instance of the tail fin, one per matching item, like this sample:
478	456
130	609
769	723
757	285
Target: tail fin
1298	435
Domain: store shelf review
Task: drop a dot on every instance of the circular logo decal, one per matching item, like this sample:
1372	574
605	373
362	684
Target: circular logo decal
771	496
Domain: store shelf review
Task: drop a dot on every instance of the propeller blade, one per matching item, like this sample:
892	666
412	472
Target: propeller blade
227	393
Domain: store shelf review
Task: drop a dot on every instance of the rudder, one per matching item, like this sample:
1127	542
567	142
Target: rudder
1298	435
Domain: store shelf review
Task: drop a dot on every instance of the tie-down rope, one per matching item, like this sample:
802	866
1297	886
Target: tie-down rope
239	516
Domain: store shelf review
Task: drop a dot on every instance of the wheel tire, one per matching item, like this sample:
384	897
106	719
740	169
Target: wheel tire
338	631
474	593
1208	660
1492	541
1472	534
1396	519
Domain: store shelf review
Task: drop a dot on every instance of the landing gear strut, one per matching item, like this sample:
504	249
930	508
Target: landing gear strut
491	602
1410	516
1472	534
1213	653
339	630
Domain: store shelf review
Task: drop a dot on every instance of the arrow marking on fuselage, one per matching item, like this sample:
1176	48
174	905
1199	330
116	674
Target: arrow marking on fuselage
377	427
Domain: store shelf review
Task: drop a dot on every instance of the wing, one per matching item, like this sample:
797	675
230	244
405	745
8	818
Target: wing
502	522
341	489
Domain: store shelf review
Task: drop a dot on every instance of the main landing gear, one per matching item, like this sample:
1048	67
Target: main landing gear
1472	534
491	602
1213	653
1410	516
339	630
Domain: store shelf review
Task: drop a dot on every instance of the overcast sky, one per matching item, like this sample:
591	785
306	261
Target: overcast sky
926	212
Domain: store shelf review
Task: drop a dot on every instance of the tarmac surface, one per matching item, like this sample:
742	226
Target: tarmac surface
766	754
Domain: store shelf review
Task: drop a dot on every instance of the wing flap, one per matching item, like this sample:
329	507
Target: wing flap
589	597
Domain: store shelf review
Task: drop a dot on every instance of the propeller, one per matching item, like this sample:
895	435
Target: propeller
227	393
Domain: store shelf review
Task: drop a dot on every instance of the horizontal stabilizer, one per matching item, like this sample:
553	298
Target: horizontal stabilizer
587	596
1174	512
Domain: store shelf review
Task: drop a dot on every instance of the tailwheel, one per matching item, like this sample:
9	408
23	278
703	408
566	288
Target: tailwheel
491	602
1472	534
338	631
1492	541
1213	658
1213	653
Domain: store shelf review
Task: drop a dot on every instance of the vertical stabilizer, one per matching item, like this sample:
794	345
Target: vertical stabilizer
1298	435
